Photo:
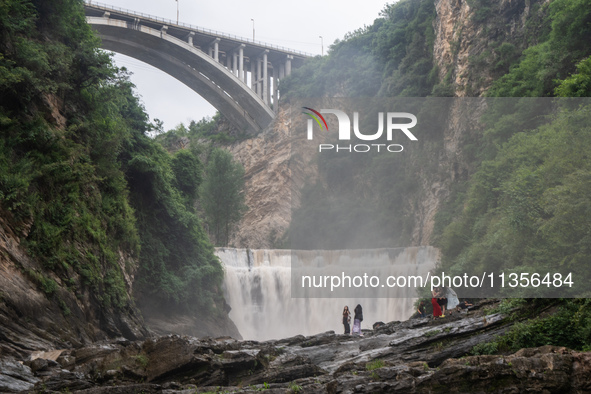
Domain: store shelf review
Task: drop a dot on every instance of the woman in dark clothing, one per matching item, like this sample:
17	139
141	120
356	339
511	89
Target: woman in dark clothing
357	320
347	320
463	305
442	300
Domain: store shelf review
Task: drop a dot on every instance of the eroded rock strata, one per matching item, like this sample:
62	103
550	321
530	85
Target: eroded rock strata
414	356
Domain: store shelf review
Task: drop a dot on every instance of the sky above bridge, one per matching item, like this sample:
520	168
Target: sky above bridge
293	24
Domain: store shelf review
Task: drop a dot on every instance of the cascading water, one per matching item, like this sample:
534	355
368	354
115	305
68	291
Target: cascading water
257	286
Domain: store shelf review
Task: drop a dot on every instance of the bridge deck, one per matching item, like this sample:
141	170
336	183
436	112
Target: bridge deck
239	77
202	38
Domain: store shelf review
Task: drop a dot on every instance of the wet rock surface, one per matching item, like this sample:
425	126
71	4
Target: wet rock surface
414	356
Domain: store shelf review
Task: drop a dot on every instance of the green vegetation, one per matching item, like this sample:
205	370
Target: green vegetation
578	84
88	191
484	348
394	57
520	203
221	190
519	200
177	267
222	195
216	130
432	333
142	360
523	210
508	306
58	156
542	66
91	195
265	386
376	364
569	325
391	57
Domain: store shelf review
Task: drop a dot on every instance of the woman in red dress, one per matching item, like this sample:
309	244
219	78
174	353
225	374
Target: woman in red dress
436	307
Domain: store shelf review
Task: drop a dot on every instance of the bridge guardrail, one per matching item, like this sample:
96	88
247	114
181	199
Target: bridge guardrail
196	28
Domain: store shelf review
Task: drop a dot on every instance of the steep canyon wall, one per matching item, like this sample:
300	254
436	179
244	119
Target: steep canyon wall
474	43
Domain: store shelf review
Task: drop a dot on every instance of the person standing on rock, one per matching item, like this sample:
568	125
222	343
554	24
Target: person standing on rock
347	319
452	300
436	307
357	320
442	300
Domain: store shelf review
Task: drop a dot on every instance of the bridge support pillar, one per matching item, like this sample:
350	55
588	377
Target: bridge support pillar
281	71
275	90
288	65
258	79
190	38
241	71
252	75
268	92
265	78
214	49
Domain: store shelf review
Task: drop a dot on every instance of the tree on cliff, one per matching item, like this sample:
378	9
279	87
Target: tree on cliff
222	195
100	199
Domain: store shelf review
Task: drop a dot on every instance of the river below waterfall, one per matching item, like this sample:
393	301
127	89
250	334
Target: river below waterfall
257	285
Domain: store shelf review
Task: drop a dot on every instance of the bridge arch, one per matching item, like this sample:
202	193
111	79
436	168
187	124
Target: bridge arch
246	100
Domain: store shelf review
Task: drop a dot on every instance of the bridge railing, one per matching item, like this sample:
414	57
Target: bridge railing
197	28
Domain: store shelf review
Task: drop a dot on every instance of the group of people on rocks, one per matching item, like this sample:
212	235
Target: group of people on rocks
444	300
357	319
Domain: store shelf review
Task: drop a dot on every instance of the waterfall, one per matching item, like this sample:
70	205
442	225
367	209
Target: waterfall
257	285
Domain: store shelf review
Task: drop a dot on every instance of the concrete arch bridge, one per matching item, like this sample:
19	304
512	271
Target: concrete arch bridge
238	76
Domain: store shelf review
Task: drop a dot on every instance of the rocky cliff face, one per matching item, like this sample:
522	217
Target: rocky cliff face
452	167
475	42
162	322
275	176
34	316
272	187
268	185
